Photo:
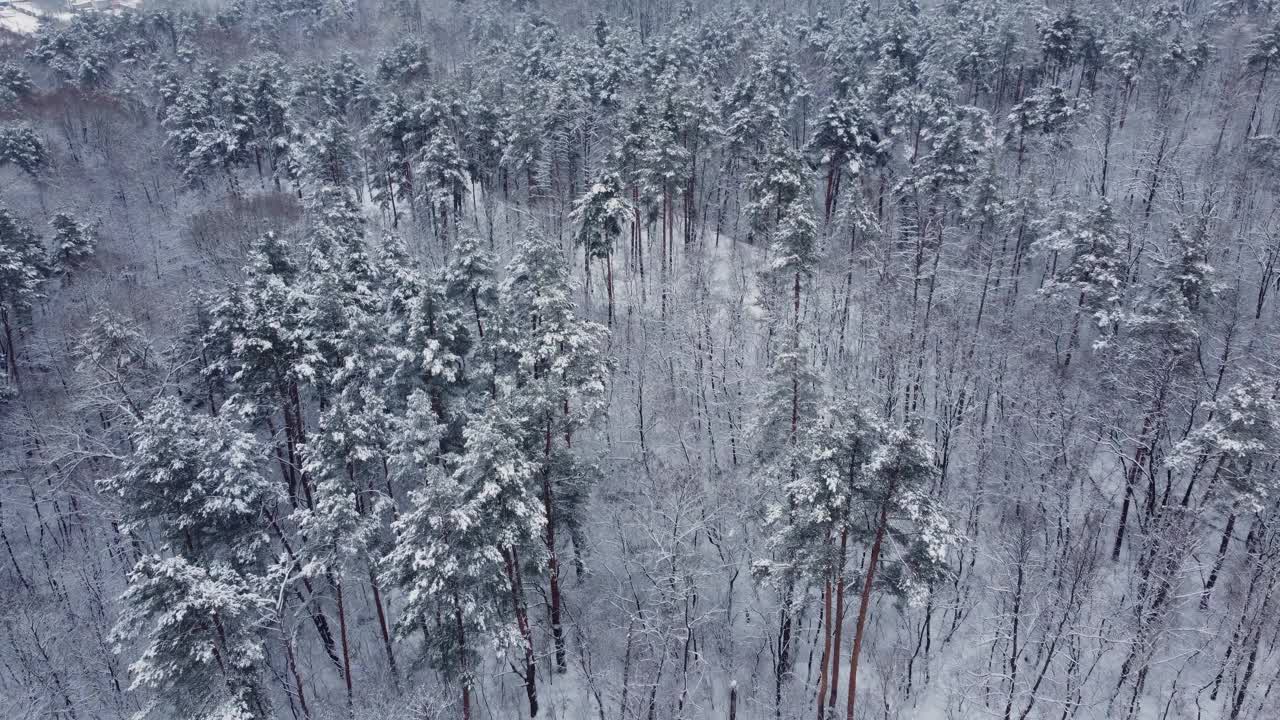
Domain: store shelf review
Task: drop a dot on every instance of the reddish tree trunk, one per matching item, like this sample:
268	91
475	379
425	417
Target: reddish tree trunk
383	625
522	622
462	662
865	602
839	627
826	648
342	632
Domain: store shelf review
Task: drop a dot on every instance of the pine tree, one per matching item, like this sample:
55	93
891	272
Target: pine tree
265	89
22	147
1239	439
262	344
1089	266
439	338
15	84
406	64
557	363
441	182
73	243
813	523
200	598
332	90
469	283
1156	347
1162	323
346	457
482	147
959	141
779	179
211	127
895	502
392	138
116	359
1047	110
788	402
459	547
323	155
84	51
1061	40
846	139
21	271
601	213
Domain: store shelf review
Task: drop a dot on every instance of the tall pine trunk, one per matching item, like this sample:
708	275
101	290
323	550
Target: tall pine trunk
865	602
10	350
462	660
342	633
828	662
834	683
553	559
522	622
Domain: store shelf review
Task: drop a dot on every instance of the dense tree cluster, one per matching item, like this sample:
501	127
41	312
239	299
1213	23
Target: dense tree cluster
422	358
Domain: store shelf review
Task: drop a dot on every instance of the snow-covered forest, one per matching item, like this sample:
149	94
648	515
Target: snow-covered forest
641	360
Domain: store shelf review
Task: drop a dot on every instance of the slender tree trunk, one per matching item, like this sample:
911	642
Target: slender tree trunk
865	602
10	350
839	627
292	662
475	307
522	622
1262	83
1013	644
463	671
1218	561
383	625
827	661
609	283
553	559
784	646
342	633
1132	475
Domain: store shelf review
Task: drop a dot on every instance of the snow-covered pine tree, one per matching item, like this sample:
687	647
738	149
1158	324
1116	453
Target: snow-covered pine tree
211	127
601	213
1048	111
407	64
440	343
469	281
895	503
346	457
959	140
22	147
461	544
814	519
441	181
1264	53
557	364
15	84
260	343
1239	439
778	179
323	155
1155	349
74	242
22	269
1088	266
265	83
846	139
200	598
787	403
391	139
